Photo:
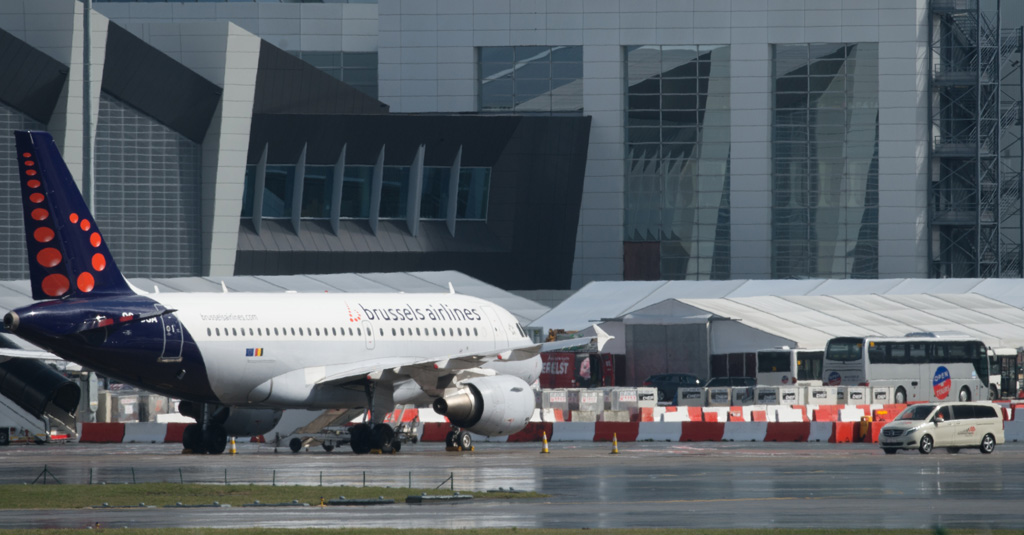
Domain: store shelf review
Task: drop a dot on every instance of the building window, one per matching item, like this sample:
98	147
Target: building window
317	191
434	202
531	79
278	190
474	185
825	161
677	149
355	191
357	69
394	194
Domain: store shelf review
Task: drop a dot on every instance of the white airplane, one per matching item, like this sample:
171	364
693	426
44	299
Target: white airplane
236	360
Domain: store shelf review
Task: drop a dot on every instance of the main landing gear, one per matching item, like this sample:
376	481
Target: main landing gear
207	435
375	436
458	440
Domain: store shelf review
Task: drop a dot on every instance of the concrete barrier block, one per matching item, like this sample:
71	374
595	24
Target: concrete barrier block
145	433
820	431
745	431
659	431
572	431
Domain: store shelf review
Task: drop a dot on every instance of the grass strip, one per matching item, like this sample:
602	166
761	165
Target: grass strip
515	531
158	494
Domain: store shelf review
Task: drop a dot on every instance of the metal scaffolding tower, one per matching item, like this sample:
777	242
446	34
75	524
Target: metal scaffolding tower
976	219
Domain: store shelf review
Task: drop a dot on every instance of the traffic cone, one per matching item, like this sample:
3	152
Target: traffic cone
544	438
233	449
615	443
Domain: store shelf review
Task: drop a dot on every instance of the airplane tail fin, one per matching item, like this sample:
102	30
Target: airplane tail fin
67	255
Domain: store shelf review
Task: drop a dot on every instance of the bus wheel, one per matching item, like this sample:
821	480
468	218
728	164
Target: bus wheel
965	394
926	444
993	392
901	396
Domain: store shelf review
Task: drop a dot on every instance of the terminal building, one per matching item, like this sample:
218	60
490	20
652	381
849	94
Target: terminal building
531	145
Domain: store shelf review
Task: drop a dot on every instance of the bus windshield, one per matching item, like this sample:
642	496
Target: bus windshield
844	349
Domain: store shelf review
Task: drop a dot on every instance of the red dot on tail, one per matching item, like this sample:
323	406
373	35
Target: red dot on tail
37	198
55	285
85	282
33	183
86	225
29	163
73	218
95	239
49	257
40	214
30	172
99	262
43	234
26	155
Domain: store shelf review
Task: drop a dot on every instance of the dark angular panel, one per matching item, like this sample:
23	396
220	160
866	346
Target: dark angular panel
30	81
154	83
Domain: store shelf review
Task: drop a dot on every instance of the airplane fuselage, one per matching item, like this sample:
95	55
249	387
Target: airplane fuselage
262	349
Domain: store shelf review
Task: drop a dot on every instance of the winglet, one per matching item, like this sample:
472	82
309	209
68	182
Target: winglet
68	257
451	289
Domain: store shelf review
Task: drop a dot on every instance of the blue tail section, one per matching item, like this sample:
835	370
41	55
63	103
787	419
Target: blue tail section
67	255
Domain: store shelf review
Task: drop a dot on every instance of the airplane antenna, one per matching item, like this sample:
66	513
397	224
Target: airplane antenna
223	287
451	289
156	289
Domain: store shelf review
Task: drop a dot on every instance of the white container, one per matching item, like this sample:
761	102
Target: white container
623	399
881	394
854	395
766	395
689	396
791	395
821	395
719	396
591	401
555	399
646	396
743	395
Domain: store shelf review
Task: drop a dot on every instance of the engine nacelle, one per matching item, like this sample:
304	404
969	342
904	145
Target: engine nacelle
491	406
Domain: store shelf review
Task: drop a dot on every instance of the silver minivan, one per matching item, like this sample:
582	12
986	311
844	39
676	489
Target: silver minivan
951	425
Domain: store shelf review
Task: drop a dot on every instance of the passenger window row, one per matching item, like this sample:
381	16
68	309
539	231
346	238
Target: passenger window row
970	412
452	332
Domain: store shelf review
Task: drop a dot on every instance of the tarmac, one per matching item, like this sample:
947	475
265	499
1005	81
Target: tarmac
647	484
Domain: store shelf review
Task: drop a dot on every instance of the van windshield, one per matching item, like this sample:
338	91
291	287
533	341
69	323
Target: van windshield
917	412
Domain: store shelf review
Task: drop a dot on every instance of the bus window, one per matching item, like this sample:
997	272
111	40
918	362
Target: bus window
773	361
808	365
844	349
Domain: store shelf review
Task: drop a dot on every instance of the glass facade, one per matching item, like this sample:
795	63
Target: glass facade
148	181
825	161
677	161
318	189
357	69
14	261
531	79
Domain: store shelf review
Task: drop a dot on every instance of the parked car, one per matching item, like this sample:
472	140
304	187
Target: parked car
668	383
952	426
731	381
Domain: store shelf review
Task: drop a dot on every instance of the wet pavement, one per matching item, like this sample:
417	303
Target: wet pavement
665	484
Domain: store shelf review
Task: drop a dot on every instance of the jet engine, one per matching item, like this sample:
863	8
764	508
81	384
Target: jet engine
491	406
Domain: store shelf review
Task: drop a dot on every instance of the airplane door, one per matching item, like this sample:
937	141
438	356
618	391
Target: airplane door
369	334
497	330
173	338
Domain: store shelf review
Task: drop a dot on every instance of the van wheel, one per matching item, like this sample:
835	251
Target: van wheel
889	451
953	450
988	444
965	394
927	443
900	397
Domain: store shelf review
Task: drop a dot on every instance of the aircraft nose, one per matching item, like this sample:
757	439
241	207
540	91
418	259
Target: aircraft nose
11	321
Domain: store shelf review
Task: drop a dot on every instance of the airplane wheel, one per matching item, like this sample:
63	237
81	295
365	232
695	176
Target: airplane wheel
396	446
449	439
464	441
361	439
192	439
215	440
295	445
328	448
383	436
5	437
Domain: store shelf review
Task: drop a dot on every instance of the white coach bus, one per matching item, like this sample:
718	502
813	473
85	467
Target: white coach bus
785	366
919	366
